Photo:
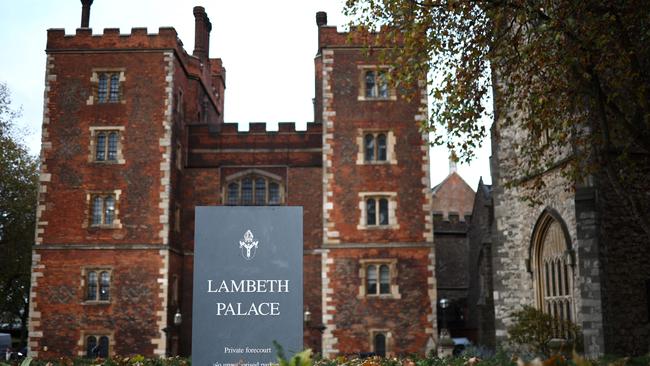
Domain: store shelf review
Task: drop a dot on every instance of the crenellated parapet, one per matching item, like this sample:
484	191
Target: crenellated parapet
257	128
230	146
112	40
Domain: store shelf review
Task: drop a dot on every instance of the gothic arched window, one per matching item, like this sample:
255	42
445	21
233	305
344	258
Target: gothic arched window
552	269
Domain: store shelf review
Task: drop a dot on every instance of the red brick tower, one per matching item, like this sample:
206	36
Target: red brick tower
134	140
107	263
377	255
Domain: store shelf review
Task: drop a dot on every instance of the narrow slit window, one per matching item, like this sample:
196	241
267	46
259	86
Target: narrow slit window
100	148
91	347
104	286
247	191
369	147
103	347
371	90
112	146
260	191
102	88
381	147
233	193
114	94
91	294
383	211
371	277
98	204
274	193
384	279
371	212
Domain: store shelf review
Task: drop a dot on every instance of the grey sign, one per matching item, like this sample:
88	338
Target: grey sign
247	284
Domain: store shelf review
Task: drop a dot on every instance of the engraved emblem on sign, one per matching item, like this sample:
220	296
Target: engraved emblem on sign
248	246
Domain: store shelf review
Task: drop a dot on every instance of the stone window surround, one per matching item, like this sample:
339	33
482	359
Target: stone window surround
389	339
549	221
94	79
392	267
391	158
254	172
392	94
84	289
84	333
392	208
117	224
94	130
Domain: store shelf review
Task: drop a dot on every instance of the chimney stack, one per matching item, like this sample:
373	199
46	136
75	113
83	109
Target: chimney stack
321	18
202	28
453	168
85	12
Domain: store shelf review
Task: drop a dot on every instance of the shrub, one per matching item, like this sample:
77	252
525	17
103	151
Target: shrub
543	334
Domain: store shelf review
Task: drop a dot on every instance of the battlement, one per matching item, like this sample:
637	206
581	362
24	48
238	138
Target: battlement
329	36
260	128
112	39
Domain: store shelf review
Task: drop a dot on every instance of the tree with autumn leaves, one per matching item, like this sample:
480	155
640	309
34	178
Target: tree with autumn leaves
572	75
18	192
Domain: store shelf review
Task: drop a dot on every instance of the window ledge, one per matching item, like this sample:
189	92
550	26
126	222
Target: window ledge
378	227
109	162
380	297
104	226
377	99
96	302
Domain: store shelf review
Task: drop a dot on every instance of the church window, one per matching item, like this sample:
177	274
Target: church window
553	270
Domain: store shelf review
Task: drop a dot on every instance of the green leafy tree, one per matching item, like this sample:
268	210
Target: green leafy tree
18	192
573	75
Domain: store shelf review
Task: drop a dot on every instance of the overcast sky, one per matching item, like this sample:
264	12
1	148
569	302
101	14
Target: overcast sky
267	47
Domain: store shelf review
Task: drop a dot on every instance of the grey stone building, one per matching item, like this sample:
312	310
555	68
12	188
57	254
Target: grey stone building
480	302
580	255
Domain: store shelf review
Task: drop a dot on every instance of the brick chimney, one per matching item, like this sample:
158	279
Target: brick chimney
202	28
321	18
85	12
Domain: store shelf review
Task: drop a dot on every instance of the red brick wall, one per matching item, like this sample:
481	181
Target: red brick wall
406	318
295	157
67	211
408	321
405	177
129	317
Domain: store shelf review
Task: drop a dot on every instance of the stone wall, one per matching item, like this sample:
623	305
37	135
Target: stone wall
479	298
625	261
515	221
